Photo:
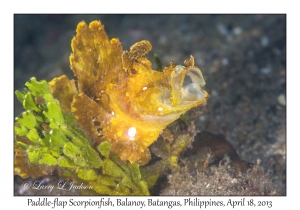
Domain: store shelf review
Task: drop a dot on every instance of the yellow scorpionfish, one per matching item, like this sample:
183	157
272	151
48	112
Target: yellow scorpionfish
120	98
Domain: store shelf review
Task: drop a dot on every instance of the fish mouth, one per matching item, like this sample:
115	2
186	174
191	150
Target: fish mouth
185	93
186	84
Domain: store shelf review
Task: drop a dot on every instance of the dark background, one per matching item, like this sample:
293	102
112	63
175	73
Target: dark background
242	58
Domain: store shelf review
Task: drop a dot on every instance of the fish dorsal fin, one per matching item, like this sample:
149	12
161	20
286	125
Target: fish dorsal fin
95	57
137	51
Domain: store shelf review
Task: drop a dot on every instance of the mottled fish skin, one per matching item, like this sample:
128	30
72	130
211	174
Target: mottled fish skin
121	98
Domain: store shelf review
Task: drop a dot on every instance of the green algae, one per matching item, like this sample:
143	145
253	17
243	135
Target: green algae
50	137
